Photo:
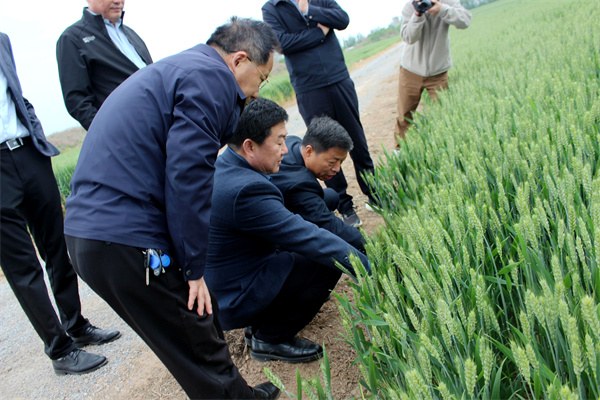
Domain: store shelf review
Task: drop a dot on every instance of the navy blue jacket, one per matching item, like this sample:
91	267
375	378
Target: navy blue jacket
313	60
303	195
145	173
91	66
251	237
24	109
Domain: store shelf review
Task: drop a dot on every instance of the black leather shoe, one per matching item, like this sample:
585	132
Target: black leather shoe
266	391
295	350
93	335
78	362
248	336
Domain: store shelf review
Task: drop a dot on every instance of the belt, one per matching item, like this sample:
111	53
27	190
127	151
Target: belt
12	144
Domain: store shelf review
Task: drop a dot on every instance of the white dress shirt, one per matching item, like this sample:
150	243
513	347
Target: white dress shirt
10	126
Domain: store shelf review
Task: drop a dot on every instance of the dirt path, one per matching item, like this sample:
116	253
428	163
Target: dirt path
133	371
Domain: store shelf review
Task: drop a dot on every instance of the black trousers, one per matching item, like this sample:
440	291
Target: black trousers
331	198
30	198
192	347
340	102
299	300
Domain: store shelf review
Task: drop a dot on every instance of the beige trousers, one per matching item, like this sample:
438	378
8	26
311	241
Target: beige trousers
410	89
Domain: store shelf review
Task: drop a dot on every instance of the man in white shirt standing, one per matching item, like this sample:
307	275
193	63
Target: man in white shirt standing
95	55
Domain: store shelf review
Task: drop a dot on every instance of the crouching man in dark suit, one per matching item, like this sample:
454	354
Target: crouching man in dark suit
319	155
270	269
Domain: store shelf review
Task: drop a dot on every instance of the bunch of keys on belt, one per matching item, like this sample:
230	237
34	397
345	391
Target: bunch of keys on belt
156	261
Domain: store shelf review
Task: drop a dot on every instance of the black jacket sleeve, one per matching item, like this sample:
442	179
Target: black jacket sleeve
302	200
75	81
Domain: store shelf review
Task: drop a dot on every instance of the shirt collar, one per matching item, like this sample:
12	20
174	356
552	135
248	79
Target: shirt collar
247	163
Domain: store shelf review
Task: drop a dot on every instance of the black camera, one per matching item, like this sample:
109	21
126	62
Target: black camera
422	6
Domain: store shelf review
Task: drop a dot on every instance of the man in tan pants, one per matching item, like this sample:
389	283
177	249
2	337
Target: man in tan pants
426	58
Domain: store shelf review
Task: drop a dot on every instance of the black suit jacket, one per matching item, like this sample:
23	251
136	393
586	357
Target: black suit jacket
303	195
314	60
91	66
252	236
25	111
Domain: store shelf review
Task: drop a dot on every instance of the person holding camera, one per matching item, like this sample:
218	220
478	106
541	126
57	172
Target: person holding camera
426	59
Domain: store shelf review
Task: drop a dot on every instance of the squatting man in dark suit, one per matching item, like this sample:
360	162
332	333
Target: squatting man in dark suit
95	55
138	214
30	199
270	269
317	156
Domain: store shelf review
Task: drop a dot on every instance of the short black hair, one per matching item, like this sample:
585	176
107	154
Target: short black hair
257	120
324	133
246	34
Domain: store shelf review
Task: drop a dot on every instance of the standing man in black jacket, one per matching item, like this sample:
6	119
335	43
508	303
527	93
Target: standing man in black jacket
320	78
95	55
318	155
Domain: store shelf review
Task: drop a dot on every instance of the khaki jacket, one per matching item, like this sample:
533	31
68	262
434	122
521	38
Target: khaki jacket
427	51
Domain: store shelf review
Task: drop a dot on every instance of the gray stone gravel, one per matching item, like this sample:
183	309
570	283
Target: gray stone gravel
27	373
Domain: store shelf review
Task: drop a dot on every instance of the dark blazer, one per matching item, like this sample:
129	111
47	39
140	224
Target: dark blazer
25	111
91	66
303	195
251	237
312	59
144	177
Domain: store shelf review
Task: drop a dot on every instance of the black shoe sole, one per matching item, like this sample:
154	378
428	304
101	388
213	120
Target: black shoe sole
80	345
273	357
66	372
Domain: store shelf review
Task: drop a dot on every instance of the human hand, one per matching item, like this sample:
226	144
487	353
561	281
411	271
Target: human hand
199	291
324	29
435	8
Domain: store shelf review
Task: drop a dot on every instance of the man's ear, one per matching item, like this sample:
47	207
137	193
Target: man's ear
309	150
248	145
233	60
238	57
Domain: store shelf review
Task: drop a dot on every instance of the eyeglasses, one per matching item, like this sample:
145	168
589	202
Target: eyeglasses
265	79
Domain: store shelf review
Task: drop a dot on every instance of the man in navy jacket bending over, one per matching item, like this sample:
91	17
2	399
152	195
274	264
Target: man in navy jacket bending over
270	269
142	188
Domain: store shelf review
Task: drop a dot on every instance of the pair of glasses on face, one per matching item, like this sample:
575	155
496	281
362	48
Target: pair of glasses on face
264	78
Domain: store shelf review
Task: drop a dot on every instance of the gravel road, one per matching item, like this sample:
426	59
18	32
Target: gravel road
26	372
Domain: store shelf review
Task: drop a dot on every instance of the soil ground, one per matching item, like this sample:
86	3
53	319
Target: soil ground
134	372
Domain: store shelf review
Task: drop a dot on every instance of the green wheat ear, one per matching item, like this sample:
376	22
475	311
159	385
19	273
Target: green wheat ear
274	379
